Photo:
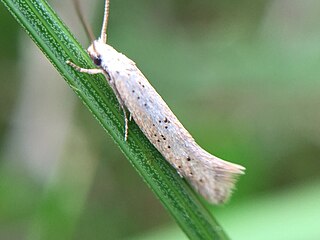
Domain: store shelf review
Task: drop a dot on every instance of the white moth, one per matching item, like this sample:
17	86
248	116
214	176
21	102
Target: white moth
210	176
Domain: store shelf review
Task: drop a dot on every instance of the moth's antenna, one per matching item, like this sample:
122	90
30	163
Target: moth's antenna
103	35
84	22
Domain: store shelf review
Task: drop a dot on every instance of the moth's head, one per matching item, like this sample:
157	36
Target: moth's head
93	51
97	45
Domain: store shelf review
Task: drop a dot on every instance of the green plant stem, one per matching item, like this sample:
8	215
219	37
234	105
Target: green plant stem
57	43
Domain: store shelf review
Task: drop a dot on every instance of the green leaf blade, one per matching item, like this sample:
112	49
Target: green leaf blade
58	44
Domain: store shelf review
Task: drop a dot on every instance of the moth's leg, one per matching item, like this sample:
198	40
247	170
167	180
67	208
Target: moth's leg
126	128
97	71
121	103
85	70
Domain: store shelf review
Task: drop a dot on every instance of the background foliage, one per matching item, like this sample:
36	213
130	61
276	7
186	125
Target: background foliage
242	77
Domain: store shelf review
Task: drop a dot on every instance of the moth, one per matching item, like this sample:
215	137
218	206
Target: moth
209	175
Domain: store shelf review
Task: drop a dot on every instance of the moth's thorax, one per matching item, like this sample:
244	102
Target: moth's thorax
109	59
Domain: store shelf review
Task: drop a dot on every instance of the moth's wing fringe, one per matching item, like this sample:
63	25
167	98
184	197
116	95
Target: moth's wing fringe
215	178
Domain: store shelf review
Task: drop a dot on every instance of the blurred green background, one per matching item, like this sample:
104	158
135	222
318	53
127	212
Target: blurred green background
242	76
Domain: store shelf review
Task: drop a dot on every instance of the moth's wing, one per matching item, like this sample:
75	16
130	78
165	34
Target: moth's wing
212	177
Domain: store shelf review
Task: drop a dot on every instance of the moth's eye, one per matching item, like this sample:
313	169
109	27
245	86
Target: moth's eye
97	61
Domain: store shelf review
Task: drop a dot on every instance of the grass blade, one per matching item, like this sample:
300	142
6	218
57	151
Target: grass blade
57	43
